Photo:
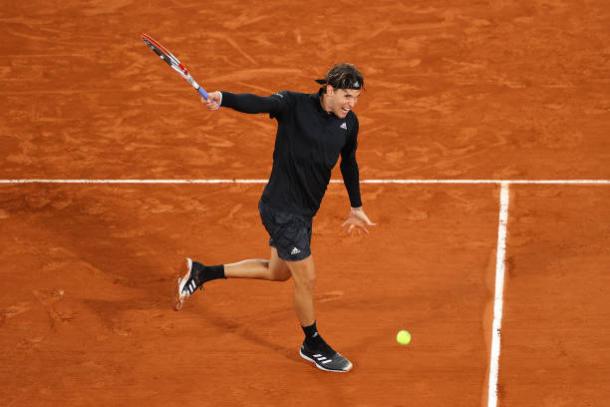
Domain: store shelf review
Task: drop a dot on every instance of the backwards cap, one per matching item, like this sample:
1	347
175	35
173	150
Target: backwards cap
343	76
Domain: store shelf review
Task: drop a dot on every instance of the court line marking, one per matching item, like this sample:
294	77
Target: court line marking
334	181
496	327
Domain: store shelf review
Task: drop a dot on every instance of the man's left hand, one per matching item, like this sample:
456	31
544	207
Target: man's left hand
357	221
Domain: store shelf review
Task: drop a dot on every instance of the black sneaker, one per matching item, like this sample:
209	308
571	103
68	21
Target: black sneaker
188	283
326	359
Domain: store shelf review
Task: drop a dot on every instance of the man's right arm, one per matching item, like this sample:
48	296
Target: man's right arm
248	103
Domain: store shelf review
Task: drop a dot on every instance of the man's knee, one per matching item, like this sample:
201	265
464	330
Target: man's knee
303	273
310	281
281	274
278	270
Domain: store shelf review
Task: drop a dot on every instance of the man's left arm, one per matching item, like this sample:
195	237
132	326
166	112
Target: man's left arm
357	218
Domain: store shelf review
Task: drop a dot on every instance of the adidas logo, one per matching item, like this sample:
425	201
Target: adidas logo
295	251
343	126
322	359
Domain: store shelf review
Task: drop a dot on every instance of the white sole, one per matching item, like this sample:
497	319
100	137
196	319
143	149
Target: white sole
181	298
322	368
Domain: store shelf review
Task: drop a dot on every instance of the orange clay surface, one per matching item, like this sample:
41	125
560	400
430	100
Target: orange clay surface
455	89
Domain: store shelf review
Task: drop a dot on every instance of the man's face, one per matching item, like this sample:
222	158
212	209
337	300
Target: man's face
341	101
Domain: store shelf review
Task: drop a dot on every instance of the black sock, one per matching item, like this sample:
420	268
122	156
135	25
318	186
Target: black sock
312	337
207	273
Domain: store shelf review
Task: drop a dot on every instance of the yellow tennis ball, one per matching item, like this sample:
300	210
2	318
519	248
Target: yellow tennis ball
403	337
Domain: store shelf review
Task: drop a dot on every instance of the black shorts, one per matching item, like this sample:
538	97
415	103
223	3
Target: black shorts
290	234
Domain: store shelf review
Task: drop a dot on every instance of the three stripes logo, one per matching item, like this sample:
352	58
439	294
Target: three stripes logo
343	126
322	359
192	286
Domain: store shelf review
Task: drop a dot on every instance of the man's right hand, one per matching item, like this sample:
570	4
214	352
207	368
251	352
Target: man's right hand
214	100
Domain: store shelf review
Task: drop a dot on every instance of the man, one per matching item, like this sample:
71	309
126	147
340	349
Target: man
313	130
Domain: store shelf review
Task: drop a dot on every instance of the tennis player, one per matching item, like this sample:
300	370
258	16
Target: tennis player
313	131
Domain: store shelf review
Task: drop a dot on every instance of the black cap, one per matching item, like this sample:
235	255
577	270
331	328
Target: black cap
343	76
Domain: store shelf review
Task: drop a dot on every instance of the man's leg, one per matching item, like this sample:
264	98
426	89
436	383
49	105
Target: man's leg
274	269
314	348
197	274
304	277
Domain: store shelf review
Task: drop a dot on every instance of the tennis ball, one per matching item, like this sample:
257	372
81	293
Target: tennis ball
403	337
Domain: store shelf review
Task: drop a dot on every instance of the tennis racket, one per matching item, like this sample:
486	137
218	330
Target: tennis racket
173	62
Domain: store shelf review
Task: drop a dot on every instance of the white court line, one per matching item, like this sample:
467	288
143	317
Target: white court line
132	181
494	364
334	181
487	181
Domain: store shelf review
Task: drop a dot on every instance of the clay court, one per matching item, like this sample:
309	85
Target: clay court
484	156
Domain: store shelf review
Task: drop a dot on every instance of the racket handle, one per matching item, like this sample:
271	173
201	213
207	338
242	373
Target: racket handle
202	92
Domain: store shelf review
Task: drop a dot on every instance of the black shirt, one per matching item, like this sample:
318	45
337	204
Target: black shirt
307	146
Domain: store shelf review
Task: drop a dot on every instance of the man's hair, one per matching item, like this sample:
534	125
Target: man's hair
343	76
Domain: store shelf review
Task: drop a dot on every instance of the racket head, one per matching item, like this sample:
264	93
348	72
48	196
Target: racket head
173	62
166	56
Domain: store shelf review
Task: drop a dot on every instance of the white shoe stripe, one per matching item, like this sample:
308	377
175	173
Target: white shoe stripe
327	361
